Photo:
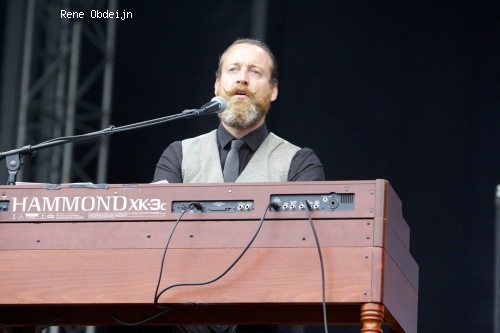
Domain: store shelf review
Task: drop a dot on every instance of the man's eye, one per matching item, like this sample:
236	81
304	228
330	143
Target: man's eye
232	69
254	71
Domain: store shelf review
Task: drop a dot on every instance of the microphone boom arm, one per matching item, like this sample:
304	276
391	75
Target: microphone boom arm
13	157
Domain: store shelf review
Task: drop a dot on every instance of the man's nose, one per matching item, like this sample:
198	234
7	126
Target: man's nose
242	77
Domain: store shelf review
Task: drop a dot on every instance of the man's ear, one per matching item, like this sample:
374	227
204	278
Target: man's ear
216	86
274	93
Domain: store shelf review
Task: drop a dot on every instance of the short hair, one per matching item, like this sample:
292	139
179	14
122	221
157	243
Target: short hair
256	42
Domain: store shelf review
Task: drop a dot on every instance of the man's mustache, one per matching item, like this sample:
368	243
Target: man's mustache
240	89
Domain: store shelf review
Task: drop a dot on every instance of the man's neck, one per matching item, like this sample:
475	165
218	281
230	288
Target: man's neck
239	133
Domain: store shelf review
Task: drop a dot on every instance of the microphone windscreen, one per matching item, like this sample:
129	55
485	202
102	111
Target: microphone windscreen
222	101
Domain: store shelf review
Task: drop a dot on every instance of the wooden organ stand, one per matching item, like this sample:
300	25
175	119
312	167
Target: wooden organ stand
75	254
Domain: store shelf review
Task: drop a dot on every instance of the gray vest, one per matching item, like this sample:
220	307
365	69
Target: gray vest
270	163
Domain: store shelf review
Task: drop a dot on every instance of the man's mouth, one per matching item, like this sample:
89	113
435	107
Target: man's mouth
240	94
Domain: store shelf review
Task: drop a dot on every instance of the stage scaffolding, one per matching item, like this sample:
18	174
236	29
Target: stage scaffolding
65	89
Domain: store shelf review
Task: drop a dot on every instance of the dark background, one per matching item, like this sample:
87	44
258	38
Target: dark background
399	90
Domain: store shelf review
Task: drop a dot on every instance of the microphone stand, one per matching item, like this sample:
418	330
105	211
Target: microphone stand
13	158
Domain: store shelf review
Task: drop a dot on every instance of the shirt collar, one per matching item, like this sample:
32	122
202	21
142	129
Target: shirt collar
252	139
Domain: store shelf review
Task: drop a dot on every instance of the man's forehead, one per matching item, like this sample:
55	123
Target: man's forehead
246	52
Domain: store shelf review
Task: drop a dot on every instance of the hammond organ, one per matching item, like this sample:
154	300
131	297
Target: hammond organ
78	253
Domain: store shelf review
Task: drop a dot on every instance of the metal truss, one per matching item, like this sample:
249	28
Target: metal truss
66	89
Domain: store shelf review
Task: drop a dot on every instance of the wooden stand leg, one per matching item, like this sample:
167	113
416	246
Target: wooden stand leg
372	316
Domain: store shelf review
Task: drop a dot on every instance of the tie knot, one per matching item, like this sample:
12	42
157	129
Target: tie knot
236	144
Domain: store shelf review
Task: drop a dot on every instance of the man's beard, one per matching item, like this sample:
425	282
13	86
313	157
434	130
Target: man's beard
243	113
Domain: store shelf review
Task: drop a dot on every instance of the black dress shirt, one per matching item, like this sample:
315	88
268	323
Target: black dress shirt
305	165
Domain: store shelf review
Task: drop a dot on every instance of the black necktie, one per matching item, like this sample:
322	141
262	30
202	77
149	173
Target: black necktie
232	165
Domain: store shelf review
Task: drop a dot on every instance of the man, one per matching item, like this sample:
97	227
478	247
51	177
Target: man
247	79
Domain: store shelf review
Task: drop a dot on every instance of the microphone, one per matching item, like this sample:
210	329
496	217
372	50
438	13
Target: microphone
216	105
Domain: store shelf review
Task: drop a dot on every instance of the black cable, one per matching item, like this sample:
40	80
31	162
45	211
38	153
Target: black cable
43	328
166	309
157	295
192	204
145	320
307	206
